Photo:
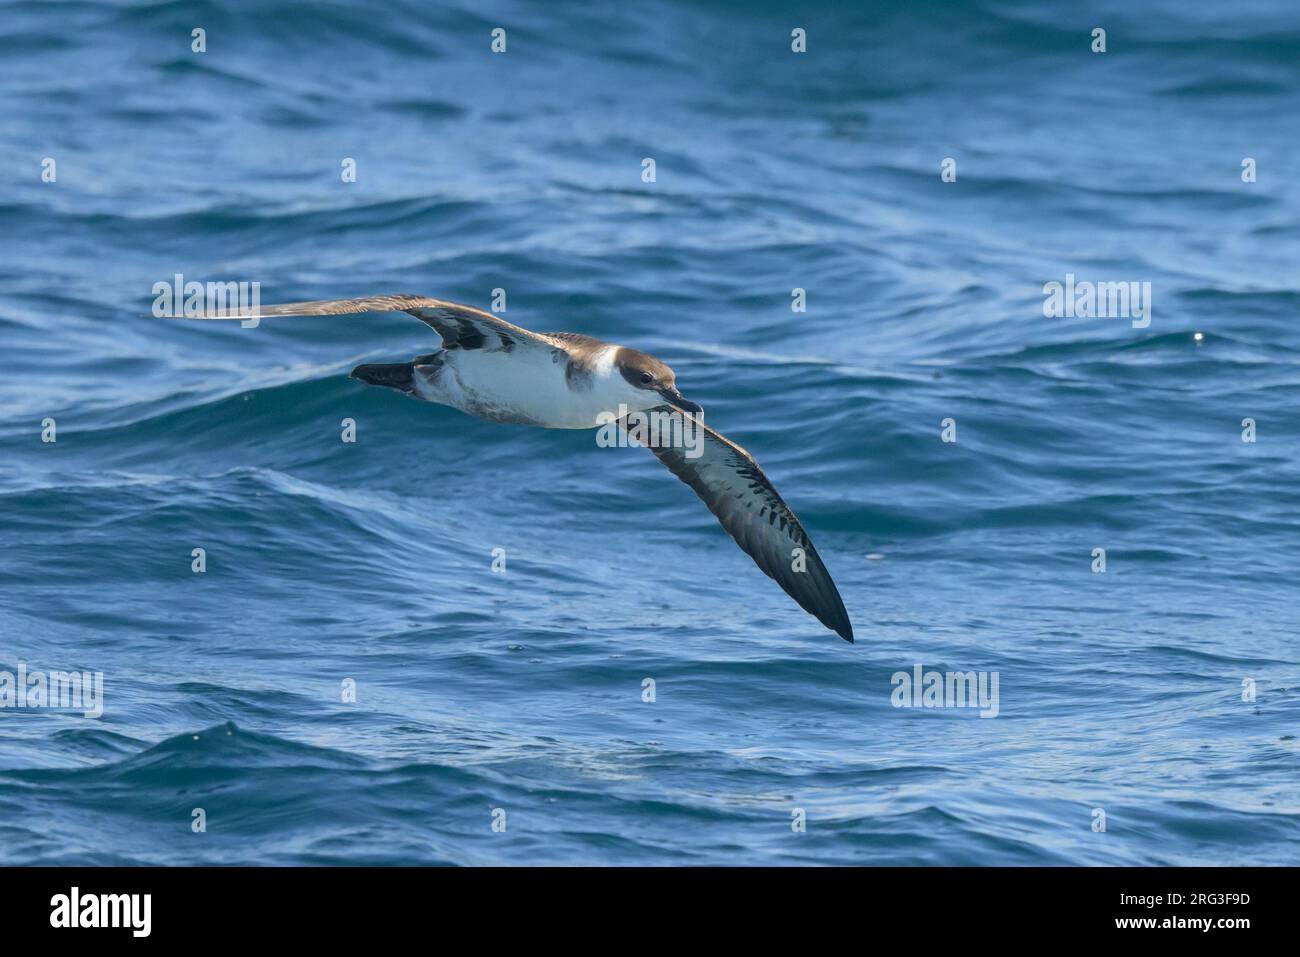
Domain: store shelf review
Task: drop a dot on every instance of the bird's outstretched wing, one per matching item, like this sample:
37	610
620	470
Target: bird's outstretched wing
730	483
460	326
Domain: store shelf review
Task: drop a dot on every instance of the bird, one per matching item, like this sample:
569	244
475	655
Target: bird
492	369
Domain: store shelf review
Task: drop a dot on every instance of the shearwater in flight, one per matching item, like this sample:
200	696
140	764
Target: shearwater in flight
492	369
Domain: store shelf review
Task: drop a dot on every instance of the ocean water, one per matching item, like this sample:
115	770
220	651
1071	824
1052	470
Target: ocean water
1160	696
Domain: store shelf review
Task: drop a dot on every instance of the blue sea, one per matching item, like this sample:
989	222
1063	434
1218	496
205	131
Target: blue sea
1102	513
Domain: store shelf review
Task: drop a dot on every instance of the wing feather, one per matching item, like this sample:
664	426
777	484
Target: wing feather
459	326
740	495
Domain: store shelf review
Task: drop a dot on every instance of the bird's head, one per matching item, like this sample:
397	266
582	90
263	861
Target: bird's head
644	373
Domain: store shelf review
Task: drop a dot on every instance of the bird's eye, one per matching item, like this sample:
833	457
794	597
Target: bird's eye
647	378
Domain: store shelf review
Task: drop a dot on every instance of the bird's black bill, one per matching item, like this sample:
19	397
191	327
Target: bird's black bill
675	397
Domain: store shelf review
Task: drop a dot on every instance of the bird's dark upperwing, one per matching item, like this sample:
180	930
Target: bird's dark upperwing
730	483
461	327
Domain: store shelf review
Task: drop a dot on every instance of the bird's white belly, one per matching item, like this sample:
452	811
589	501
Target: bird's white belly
527	387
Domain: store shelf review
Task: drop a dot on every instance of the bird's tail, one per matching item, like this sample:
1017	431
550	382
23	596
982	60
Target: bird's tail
391	375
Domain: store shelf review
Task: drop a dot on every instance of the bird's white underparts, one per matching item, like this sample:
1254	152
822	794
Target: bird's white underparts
501	372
